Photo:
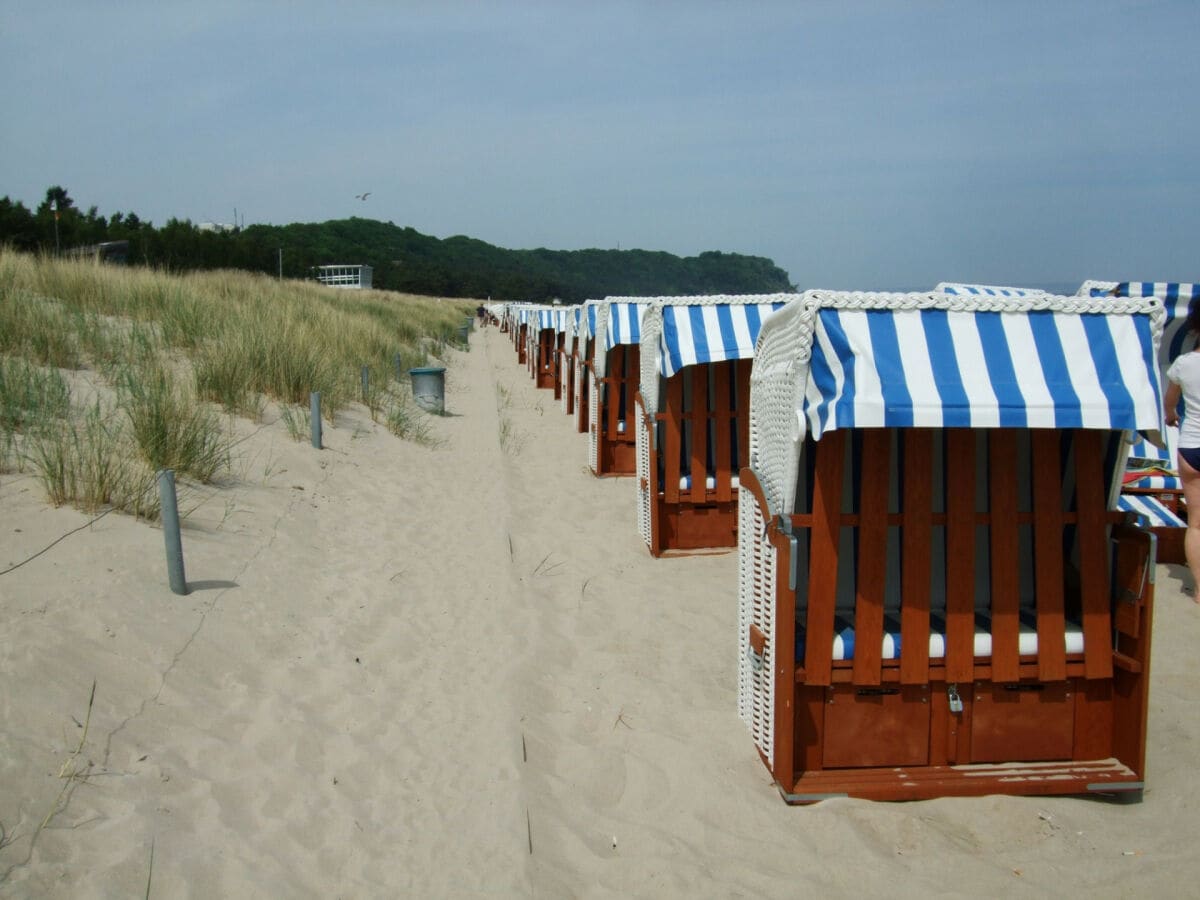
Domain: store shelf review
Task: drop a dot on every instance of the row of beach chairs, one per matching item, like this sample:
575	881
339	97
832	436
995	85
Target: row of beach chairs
947	508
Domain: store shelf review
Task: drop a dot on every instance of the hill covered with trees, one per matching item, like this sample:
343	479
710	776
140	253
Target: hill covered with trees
403	259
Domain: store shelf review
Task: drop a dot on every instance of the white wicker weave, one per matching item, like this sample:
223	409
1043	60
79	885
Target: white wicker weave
581	397
643	480
564	362
600	357
756	606
593	425
1103	287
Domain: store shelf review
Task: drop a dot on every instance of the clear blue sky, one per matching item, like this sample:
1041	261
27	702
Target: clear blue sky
879	144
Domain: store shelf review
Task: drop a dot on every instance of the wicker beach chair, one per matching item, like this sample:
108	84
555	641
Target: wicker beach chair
612	432
938	594
693	426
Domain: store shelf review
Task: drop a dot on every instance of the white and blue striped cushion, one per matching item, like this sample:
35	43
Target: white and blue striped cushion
1027	642
1150	512
1156	483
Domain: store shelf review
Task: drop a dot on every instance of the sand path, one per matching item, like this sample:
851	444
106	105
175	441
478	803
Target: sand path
455	671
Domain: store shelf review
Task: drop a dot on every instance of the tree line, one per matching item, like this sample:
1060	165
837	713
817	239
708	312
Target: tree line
402	258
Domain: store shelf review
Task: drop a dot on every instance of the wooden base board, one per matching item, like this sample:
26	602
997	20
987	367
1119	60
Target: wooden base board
617	457
692	526
1101	776
1170	545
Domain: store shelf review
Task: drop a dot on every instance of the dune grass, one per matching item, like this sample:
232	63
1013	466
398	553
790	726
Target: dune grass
170	428
32	400
85	462
171	348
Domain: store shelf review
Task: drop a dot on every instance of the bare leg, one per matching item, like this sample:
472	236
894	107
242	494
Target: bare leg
1191	540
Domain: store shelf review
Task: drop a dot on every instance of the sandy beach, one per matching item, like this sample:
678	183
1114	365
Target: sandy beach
455	671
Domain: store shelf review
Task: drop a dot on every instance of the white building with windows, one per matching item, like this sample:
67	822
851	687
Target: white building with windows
345	276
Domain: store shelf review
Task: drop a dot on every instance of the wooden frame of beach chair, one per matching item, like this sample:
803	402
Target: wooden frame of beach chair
560	342
693	425
544	350
979	537
585	376
521	337
612	432
524	324
531	344
566	360
514	326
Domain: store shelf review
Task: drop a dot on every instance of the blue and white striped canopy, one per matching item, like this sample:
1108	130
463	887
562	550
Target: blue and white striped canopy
590	313
712	333
1150	512
939	367
987	290
624	323
1177	298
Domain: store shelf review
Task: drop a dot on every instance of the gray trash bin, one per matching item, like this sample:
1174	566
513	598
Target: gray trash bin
429	388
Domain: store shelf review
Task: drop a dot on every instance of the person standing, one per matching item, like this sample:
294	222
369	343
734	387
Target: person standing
1183	380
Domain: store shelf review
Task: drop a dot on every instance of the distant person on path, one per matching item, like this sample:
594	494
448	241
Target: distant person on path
481	314
1183	379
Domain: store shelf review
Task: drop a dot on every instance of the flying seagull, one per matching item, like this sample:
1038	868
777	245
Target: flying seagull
362	196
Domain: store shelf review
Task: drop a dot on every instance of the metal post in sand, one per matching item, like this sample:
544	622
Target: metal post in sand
170	522
314	413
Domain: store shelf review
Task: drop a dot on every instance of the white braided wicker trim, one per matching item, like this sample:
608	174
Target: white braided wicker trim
781	363
652	348
580	397
984	303
997	289
643	479
756	606
1087	287
600	363
564	362
593	425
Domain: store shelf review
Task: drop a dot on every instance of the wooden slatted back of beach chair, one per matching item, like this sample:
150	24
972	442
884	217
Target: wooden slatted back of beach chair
619	386
874	523
704	431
